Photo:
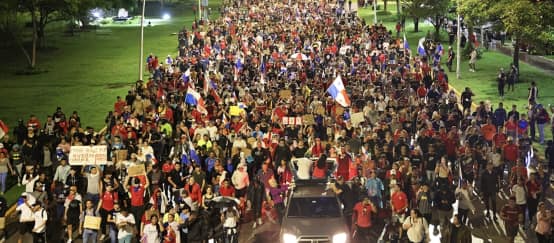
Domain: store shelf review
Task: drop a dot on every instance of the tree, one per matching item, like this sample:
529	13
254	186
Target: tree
12	29
529	20
434	10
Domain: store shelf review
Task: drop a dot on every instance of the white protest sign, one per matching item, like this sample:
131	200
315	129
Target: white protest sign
88	155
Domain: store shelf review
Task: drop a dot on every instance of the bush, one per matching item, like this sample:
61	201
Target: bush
105	21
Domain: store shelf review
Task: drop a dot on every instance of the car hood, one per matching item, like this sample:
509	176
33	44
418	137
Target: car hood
324	226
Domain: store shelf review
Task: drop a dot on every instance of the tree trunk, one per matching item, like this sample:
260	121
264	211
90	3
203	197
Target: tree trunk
35	38
516	53
384	5
398	9
437	28
416	24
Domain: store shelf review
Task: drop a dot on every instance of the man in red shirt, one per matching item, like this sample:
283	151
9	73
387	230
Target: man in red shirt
226	190
361	218
399	202
106	206
137	197
194	191
512	215
510	153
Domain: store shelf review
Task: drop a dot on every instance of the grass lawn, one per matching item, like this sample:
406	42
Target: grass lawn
85	72
482	82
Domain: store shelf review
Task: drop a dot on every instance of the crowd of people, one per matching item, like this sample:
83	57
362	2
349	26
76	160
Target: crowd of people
214	122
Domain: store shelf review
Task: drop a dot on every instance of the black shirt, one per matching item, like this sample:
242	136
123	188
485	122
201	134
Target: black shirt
347	198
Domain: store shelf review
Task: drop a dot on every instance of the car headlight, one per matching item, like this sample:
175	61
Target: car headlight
339	238
289	238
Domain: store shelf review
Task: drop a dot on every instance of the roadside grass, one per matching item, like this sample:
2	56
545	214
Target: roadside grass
483	82
86	71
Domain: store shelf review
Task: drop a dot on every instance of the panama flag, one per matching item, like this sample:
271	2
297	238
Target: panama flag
206	83
337	91
194	98
406	45
186	75
238	67
3	129
421	48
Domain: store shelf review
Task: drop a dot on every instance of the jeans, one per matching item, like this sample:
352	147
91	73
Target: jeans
3	177
430	176
89	234
125	239
541	132
113	234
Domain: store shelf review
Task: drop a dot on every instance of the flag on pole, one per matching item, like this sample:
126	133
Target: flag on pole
186	75
206	83
338	92
194	98
406	45
420	47
3	129
192	153
238	67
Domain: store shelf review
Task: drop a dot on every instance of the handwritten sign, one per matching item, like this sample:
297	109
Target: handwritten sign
285	94
357	118
136	170
289	120
88	155
308	120
320	110
235	110
92	222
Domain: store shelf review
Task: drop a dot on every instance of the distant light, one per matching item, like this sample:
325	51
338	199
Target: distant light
166	16
97	13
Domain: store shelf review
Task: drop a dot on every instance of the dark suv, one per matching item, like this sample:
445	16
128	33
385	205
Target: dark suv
313	214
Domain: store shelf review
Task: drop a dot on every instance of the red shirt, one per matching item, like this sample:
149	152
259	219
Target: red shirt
194	192
510	152
399	201
226	191
137	196
362	215
108	200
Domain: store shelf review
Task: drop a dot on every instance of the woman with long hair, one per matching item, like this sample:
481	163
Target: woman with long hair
416	226
320	168
151	232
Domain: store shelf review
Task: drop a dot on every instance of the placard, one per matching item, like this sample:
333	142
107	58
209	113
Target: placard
320	110
121	154
339	110
136	170
88	155
308	120
291	120
285	94
92	222
234	110
357	118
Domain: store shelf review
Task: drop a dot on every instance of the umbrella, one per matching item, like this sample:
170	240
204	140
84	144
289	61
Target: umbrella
299	56
224	202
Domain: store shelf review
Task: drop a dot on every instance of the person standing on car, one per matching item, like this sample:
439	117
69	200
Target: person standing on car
361	218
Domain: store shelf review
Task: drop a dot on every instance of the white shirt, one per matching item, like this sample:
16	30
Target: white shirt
27	214
129	219
29	182
519	192
418	230
40	219
304	166
151	234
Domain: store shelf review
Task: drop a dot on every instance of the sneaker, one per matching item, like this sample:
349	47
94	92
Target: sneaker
254	225
260	221
69	241
102	237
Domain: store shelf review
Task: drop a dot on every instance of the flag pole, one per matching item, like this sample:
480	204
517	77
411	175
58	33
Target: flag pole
141	64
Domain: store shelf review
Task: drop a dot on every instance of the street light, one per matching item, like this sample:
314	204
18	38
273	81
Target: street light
375	12
141	65
458	44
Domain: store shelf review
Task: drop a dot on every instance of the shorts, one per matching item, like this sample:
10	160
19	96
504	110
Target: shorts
73	219
26	227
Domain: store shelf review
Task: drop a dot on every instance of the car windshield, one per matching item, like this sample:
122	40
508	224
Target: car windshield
314	207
